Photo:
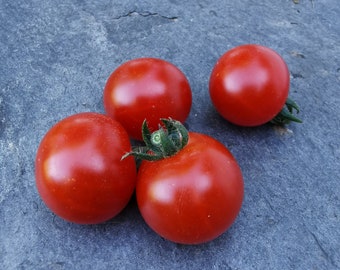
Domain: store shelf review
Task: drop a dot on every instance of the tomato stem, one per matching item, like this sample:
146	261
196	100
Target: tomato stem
286	115
170	138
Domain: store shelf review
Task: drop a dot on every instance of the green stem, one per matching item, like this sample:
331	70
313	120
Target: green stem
164	142
286	115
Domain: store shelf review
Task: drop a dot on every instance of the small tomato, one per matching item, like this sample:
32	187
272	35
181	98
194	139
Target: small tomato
146	88
249	86
193	195
79	172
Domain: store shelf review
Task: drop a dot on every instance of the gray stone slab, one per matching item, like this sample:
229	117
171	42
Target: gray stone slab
55	58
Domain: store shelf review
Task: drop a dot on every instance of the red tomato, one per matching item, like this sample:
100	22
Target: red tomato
146	88
79	172
193	196
249	85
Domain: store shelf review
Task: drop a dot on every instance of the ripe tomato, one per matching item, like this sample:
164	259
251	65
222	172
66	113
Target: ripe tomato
192	196
146	88
79	172
249	85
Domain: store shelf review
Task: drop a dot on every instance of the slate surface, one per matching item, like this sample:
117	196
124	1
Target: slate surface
55	57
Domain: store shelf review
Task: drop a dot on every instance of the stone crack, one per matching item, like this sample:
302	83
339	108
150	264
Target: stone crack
145	14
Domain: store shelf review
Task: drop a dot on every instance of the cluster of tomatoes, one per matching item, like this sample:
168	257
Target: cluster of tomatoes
189	187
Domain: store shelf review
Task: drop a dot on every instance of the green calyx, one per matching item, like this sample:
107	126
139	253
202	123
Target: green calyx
170	138
286	115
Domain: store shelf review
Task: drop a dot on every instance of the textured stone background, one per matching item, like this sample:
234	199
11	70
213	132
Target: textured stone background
55	57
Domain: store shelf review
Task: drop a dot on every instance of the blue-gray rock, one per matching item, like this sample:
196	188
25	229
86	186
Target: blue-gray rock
55	57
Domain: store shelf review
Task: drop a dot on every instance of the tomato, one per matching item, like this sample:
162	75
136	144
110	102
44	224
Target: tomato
249	85
78	168
192	196
146	88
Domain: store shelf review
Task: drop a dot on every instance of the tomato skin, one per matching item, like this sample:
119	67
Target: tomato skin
78	168
249	85
193	196
146	88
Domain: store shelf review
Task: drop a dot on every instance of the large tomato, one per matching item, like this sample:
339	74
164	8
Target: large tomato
249	85
194	195
146	88
79	172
